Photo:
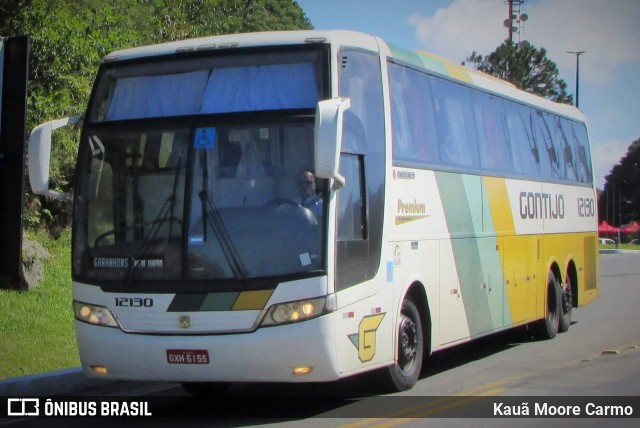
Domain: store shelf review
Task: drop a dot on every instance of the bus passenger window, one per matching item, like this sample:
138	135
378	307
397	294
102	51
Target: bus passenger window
495	153
412	116
584	157
455	124
568	151
552	168
524	151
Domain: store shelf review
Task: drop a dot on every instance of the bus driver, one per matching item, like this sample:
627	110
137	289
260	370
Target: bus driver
309	196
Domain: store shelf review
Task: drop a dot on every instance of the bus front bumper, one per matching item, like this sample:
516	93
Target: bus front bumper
301	352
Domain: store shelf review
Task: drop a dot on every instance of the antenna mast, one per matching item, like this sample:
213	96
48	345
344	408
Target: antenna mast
515	22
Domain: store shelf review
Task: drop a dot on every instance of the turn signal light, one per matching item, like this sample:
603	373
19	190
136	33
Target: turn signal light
101	370
302	370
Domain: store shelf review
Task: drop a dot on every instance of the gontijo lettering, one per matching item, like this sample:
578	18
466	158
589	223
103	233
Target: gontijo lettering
535	205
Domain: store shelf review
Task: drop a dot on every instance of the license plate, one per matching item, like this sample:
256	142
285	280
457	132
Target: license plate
187	356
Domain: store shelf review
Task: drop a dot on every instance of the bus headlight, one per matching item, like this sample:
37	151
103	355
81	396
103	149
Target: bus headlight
301	310
94	314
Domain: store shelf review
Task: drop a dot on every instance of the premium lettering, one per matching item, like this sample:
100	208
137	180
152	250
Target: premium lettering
414	207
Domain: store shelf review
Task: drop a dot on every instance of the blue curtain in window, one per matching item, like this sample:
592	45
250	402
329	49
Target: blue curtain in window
257	88
157	96
226	90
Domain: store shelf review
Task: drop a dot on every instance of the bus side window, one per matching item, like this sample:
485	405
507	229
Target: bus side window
524	151
542	138
412	116
455	124
560	160
495	153
579	136
351	199
569	150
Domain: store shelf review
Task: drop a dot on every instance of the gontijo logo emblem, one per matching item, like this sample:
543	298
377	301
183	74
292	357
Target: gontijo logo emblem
365	339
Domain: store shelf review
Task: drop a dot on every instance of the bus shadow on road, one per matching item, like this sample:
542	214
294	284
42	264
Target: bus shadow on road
262	402
474	350
370	384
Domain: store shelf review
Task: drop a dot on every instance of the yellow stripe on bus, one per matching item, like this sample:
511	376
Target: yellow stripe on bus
252	300
500	206
515	254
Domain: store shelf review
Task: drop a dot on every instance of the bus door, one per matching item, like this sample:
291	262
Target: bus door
364	322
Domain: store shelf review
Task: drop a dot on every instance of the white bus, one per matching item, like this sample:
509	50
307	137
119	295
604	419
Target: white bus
307	206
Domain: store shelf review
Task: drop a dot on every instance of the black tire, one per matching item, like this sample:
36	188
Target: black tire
566	304
404	373
206	389
547	328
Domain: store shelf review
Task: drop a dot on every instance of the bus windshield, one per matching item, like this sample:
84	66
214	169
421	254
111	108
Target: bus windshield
173	197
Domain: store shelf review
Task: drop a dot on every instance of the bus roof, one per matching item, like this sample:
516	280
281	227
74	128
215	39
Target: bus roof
240	40
423	60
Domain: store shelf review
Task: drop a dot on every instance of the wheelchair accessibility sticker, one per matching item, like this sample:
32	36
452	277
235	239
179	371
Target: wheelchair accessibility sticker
205	138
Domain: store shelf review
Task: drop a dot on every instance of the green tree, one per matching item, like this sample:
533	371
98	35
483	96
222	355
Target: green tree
526	67
179	19
69	39
620	200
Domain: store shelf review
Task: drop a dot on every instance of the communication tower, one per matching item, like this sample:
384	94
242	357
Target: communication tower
515	22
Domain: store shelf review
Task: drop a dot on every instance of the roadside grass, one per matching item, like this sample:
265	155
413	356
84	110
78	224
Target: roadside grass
622	247
36	327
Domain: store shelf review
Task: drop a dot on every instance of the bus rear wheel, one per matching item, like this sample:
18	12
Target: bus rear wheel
404	373
547	328
566	303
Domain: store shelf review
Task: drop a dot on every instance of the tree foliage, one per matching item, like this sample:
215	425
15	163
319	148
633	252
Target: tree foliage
620	200
526	67
69	39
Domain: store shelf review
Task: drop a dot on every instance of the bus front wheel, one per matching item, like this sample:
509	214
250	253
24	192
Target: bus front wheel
404	373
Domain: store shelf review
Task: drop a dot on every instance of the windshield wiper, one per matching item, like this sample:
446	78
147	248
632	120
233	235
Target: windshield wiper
165	215
211	215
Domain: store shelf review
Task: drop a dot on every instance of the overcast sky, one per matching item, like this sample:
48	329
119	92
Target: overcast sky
608	30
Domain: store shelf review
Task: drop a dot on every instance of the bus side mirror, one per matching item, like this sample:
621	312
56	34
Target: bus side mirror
328	138
39	157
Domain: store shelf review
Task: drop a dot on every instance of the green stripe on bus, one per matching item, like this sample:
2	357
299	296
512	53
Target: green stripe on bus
492	266
466	252
225	301
219	301
187	302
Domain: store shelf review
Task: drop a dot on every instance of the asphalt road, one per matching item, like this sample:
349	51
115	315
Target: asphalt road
598	357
